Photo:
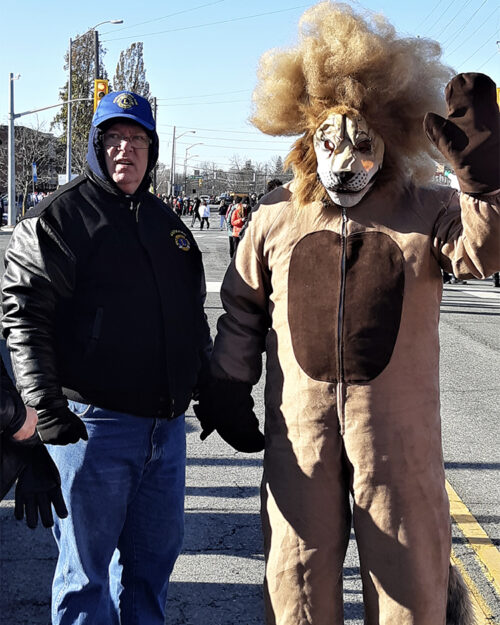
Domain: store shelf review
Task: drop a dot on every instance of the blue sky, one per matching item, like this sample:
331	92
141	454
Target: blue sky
201	58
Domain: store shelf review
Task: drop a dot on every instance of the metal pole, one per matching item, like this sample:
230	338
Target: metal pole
68	118
172	179
155	111
11	175
96	49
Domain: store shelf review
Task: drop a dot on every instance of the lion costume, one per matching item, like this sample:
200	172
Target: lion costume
338	279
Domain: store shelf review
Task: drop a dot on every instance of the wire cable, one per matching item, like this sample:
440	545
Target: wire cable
234	19
467	22
454	17
471	35
159	19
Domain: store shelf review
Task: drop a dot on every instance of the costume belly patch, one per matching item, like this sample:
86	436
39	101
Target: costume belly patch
366	318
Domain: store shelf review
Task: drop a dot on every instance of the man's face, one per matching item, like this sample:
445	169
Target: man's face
349	155
126	164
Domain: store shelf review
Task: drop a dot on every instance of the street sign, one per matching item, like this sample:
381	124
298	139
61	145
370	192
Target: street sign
34	173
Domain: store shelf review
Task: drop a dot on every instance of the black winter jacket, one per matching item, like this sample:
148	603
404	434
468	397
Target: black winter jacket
103	302
12	416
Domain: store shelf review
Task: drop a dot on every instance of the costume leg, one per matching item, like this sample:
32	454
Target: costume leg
401	515
152	536
306	522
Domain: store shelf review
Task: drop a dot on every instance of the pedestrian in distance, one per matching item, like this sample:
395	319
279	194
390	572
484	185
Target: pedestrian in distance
103	315
223	206
195	211
232	207
337	279
204	211
238	220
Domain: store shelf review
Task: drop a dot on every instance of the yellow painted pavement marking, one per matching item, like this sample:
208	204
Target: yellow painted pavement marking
482	612
477	537
488	554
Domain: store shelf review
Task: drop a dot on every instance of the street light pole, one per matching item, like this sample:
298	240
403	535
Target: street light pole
172	163
185	163
68	118
11	173
96	77
96	54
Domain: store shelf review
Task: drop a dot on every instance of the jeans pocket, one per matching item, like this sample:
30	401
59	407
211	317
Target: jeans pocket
81	410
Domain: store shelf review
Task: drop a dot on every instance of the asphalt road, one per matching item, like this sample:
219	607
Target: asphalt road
217	579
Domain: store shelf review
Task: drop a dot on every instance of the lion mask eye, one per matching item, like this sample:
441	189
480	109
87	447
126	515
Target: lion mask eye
364	146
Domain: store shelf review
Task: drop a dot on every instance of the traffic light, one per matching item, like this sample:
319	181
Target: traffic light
100	90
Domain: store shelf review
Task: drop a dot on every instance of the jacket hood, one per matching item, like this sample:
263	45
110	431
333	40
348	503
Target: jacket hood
120	106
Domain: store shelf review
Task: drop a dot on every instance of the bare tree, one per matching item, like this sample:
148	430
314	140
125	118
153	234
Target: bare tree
34	145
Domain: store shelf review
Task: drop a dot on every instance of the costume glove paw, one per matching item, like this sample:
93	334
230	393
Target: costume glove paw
60	426
38	489
227	406
469	137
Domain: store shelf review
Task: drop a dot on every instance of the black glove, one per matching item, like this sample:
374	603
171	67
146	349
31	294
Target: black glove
39	486
469	137
60	426
227	406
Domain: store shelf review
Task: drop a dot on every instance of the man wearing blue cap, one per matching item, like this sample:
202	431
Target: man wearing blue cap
103	314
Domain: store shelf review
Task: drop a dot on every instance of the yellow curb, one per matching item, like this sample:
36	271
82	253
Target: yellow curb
482	612
488	554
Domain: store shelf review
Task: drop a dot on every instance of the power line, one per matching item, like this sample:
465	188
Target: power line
488	60
476	51
443	13
246	132
204	103
238	140
203	95
234	19
231	147
159	19
471	35
467	22
429	14
455	16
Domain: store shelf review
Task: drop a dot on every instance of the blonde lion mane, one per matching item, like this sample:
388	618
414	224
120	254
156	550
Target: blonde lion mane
348	62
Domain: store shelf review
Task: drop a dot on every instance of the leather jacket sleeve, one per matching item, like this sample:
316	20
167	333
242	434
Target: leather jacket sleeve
12	410
40	269
206	343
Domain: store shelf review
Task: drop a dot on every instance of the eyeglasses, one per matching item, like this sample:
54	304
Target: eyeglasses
138	142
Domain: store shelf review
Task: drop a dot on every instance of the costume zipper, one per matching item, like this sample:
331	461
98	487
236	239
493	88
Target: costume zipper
340	344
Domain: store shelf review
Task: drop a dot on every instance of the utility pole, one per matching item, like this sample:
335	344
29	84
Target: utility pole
155	111
96	54
68	118
11	176
172	164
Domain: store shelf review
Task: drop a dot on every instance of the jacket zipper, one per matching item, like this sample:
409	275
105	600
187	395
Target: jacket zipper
340	349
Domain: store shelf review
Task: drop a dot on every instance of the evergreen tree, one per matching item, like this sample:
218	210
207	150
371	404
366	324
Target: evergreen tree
130	72
82	86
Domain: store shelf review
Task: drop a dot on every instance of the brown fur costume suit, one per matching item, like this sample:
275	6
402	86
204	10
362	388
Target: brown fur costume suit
345	303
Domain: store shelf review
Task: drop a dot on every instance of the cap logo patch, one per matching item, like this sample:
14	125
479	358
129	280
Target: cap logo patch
181	240
125	101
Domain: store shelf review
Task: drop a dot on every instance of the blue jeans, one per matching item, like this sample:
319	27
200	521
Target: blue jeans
124	489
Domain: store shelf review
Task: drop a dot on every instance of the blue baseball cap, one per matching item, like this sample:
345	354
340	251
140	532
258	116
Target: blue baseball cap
125	105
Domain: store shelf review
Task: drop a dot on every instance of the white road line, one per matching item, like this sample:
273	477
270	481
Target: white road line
213	287
482	294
